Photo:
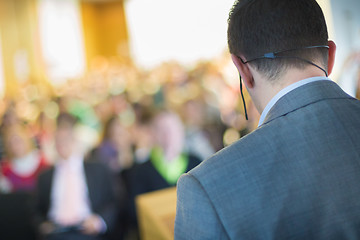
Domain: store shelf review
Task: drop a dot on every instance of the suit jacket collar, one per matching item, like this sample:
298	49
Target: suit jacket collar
91	182
303	96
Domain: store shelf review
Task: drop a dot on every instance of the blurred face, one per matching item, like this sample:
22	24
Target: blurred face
194	113
17	145
169	134
64	142
10	118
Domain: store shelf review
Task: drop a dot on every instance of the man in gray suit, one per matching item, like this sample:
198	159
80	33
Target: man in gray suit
297	176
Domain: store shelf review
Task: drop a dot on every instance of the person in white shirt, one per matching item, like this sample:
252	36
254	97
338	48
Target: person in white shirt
75	199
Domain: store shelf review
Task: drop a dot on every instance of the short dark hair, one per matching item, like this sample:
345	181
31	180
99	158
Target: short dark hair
256	27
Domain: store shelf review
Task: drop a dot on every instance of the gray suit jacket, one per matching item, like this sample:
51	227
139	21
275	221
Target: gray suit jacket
295	177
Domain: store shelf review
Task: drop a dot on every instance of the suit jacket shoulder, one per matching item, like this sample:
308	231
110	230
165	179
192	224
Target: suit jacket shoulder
277	181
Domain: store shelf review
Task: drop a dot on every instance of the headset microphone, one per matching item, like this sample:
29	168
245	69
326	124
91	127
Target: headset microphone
273	55
243	99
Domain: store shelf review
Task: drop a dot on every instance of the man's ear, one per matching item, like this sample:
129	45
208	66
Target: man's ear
331	58
244	71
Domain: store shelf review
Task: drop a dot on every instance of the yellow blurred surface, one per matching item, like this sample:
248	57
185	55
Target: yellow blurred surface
156	213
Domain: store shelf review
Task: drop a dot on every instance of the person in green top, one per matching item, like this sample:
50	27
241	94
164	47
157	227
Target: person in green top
167	155
167	159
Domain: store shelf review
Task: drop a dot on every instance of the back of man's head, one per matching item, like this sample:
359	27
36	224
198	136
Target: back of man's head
256	27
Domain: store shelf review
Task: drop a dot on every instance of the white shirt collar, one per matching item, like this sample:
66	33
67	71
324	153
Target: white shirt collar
26	165
284	91
75	161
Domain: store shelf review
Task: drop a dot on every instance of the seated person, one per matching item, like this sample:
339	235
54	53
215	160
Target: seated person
22	162
115	148
75	199
166	162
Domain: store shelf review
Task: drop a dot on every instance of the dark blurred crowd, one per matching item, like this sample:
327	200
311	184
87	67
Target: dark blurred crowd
134	131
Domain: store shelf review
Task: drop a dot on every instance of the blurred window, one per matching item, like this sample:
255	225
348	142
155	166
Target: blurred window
185	30
62	40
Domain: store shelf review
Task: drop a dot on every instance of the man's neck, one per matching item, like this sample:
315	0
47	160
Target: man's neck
268	89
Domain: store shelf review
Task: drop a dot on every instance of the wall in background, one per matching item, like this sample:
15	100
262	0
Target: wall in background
105	30
21	54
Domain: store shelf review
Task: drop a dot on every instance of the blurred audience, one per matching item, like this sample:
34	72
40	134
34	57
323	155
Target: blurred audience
196	137
141	132
121	130
75	199
350	75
